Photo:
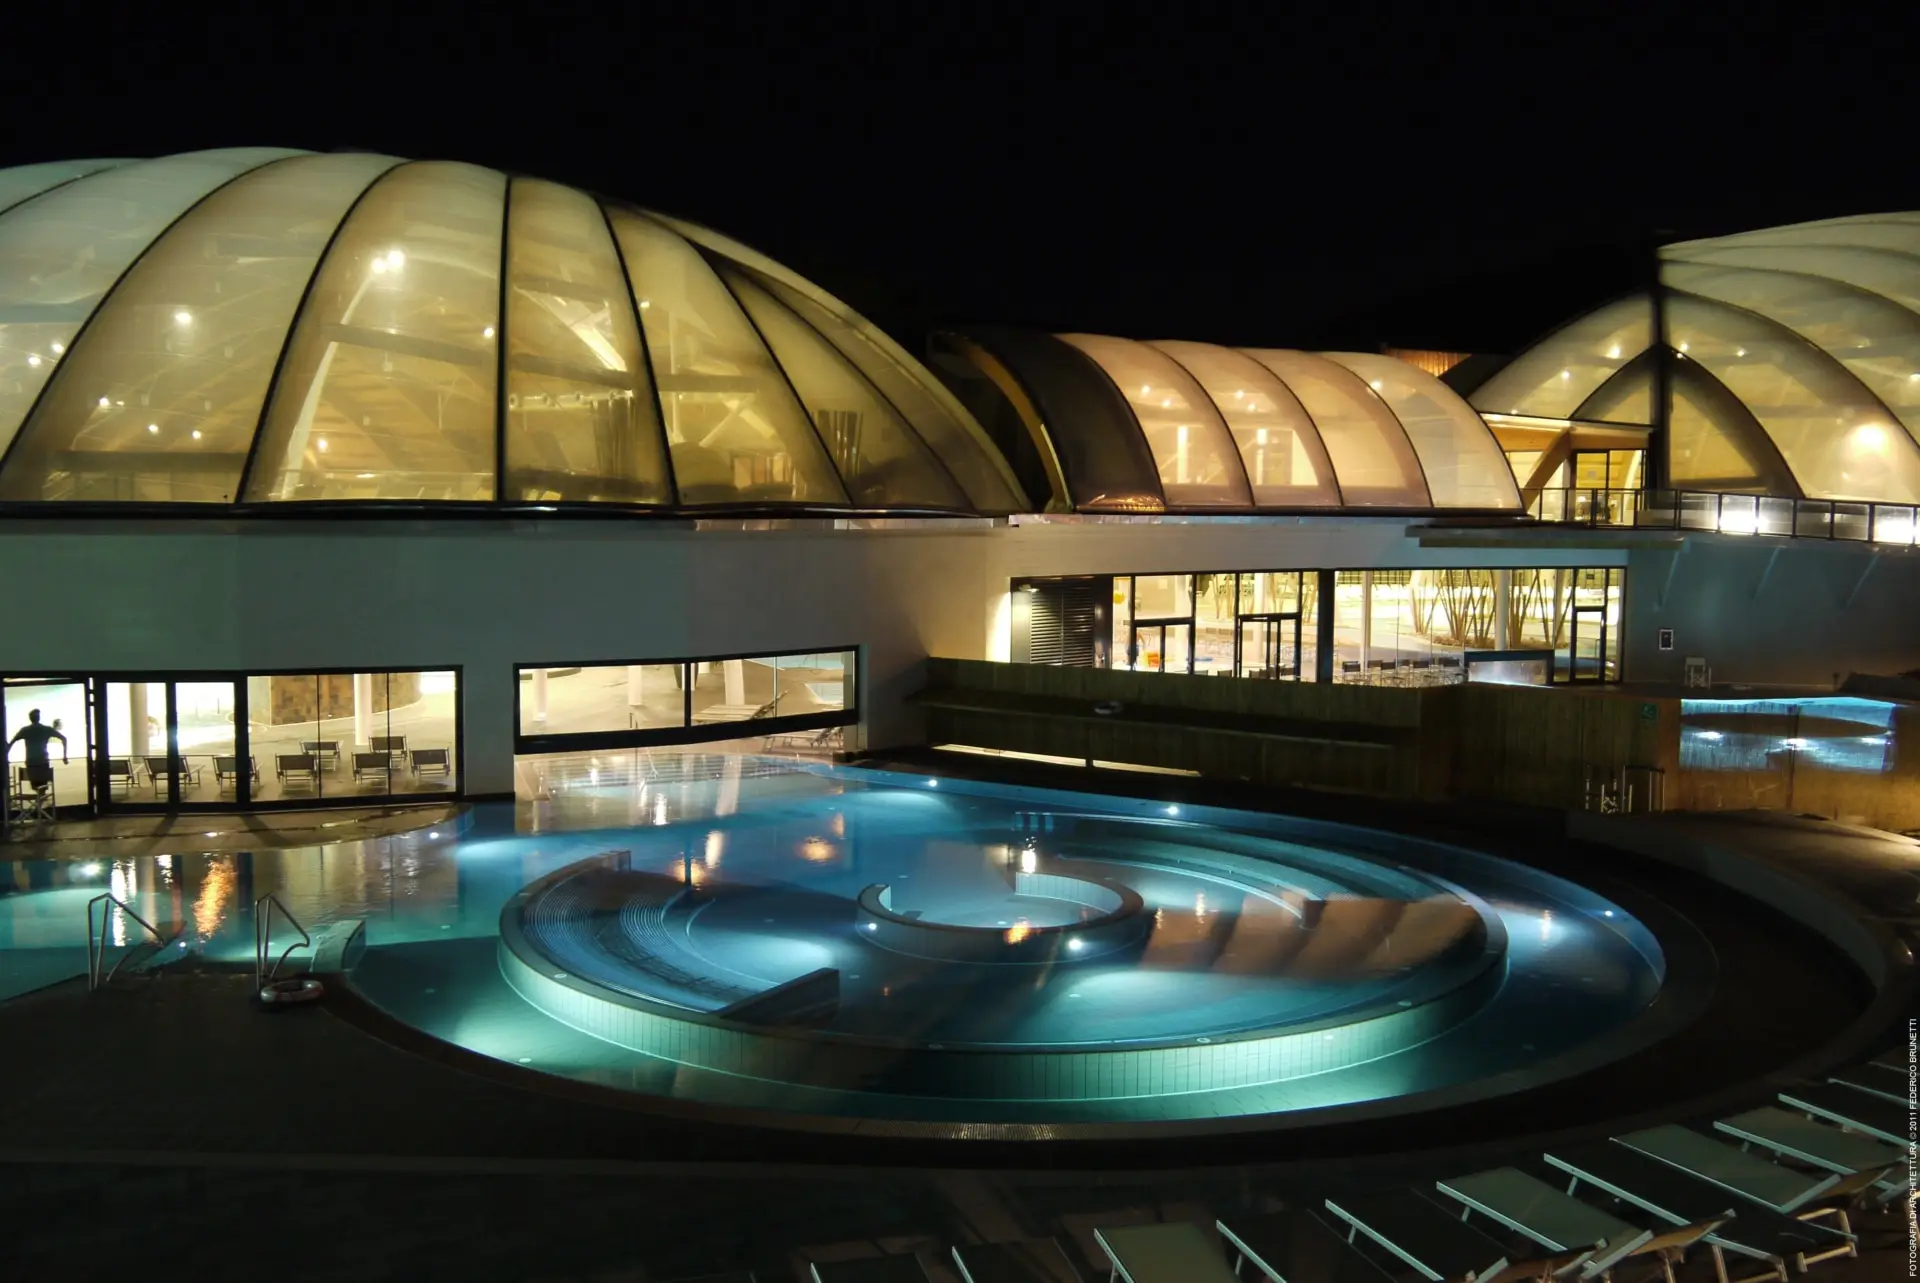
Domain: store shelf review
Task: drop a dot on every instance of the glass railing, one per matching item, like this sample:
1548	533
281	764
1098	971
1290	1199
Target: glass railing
1851	521
1891	524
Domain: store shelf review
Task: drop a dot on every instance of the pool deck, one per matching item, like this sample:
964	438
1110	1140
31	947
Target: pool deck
166	1121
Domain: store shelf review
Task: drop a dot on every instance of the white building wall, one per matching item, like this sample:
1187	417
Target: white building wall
259	596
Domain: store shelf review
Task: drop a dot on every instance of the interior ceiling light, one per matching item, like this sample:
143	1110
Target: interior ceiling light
153	427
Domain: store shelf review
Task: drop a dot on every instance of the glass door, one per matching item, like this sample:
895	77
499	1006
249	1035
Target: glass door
1268	646
1162	647
46	769
164	745
1587	644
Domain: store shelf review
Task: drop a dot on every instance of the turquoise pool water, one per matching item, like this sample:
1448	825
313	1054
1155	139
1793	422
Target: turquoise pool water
689	927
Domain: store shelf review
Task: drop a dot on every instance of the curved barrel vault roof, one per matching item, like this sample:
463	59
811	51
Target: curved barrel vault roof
1168	426
268	326
1794	359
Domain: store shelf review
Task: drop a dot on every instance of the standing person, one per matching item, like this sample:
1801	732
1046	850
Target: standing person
39	763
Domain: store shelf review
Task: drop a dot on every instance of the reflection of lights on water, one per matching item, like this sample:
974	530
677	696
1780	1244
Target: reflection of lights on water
1546	924
1019	931
91	869
433	833
1710	736
933	784
659	808
1795	743
716	846
1029	859
216	897
816	850
1200	906
1606	913
1173	810
1076	945
871	926
839	824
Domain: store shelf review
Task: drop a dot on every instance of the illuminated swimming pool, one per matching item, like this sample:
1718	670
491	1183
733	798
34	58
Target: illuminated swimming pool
846	948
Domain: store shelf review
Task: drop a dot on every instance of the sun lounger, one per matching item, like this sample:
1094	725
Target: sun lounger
431	760
1033	1260
1875	1080
1164	1252
1805	1140
1684	1200
1417	1230
1746	1174
372	766
871	1269
1574	1233
1295	1246
1856	1110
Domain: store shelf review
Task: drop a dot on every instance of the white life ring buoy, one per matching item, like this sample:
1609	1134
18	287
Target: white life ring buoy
292	992
1108	707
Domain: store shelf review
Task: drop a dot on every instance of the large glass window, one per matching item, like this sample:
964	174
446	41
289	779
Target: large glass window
1839	441
1371	455
583	424
60	254
672	701
1195	454
1458	454
1285	462
975	464
1552	378
881	461
735	429
62	706
161	401
390	382
334	735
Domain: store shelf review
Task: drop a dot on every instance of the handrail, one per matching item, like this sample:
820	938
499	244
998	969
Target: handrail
97	940
1891	525
263	938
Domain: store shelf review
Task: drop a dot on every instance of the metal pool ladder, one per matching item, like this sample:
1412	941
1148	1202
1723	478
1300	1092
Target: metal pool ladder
97	939
263	910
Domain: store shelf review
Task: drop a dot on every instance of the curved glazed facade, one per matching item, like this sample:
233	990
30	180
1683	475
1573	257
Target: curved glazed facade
1793	359
264	326
1142	427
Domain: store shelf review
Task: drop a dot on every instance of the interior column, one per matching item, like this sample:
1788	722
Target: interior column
363	708
137	735
1323	628
1503	610
1366	623
734	674
539	694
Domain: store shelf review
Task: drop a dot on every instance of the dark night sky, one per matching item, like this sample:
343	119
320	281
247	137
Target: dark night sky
1255	174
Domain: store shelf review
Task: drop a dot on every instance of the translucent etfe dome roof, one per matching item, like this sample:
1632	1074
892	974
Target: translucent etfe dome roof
1171	426
1795	361
262	326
